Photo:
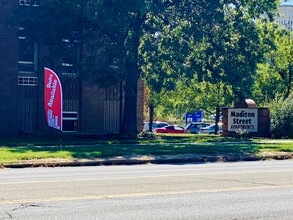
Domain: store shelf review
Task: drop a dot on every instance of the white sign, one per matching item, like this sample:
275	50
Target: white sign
243	119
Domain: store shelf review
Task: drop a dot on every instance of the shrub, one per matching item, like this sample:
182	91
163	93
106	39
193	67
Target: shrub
281	111
146	135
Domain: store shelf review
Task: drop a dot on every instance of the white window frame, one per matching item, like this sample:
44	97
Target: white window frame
27	63
29	2
76	118
68	73
27	81
21	37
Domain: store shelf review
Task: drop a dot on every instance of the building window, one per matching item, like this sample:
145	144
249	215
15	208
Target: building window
29	2
68	69
70	121
27	81
28	54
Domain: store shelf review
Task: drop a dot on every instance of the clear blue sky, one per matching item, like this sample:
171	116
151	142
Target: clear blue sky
287	2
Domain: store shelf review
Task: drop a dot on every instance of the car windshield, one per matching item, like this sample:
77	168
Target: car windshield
160	125
213	127
155	125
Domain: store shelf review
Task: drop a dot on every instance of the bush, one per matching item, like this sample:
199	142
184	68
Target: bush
281	111
147	135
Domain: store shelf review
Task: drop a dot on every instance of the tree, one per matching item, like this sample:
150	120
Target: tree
231	48
267	84
165	44
108	30
274	74
216	40
216	44
100	38
282	60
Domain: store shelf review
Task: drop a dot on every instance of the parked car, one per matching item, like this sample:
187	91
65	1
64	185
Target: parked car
155	125
194	127
171	129
211	129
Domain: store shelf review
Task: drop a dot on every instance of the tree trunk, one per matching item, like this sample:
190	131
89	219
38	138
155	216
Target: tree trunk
151	117
289	81
217	119
129	127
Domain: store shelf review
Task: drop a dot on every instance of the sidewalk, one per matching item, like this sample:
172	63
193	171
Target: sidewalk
152	159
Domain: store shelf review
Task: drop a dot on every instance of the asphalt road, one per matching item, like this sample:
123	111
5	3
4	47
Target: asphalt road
242	190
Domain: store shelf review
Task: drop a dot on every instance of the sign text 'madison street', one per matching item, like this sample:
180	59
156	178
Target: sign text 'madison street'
243	119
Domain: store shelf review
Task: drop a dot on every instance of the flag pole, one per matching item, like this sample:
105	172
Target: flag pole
60	140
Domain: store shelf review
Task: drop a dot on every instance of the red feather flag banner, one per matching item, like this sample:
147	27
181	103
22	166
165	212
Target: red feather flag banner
53	99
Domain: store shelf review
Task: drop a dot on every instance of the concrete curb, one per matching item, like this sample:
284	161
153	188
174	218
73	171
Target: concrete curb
163	159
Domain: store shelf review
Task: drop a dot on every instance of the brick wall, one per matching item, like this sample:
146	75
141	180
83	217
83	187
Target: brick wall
263	122
8	71
92	110
102	114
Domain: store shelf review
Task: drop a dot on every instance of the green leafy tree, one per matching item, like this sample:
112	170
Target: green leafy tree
165	45
191	95
282	60
267	84
176	39
101	38
217	45
232	48
274	74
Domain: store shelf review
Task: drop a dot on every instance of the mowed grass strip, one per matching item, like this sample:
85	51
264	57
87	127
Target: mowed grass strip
14	154
71	140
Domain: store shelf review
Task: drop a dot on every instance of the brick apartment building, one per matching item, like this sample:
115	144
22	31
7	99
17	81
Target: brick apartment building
87	108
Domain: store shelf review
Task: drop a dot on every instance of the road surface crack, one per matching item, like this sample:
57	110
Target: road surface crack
250	182
9	214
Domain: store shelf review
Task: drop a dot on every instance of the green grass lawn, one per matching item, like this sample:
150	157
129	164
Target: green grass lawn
16	150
